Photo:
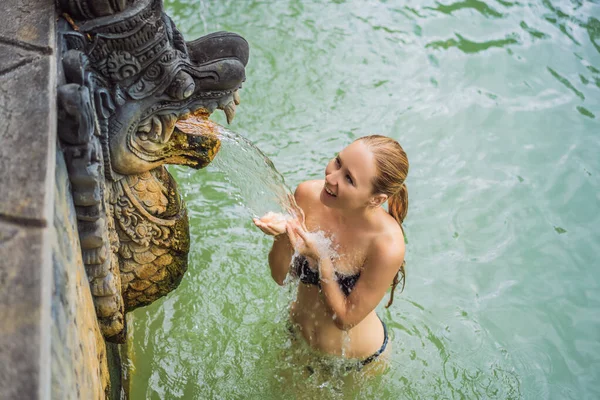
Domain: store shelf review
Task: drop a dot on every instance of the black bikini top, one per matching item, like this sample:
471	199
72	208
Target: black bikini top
310	277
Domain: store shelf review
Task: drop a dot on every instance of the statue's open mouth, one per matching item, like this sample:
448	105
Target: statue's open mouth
158	127
198	124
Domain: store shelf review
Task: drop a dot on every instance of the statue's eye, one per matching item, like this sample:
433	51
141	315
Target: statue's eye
182	87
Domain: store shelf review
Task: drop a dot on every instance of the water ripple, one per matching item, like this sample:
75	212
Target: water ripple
468	46
476	5
496	103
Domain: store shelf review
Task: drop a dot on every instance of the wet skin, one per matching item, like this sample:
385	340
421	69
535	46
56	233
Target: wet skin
366	240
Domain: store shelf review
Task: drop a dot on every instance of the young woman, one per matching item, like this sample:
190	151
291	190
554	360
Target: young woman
339	289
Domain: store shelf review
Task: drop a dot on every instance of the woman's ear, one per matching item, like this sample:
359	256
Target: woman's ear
378	200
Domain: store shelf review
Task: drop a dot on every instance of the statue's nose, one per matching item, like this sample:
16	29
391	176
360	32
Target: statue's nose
218	45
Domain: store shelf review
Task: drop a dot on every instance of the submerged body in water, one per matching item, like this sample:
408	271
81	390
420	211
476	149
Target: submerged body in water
345	248
340	287
315	320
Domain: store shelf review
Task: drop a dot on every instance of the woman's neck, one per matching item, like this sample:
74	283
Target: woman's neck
355	218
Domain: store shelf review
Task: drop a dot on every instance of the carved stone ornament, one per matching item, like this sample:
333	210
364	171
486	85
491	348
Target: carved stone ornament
128	78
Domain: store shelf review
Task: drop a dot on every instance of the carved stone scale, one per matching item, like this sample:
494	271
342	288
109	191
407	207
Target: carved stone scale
127	76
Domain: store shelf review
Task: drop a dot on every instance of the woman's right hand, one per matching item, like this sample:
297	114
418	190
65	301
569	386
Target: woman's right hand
271	223
302	241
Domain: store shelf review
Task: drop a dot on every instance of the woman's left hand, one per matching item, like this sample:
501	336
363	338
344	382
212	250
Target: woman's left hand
302	241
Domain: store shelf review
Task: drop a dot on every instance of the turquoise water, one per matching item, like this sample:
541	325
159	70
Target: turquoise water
497	105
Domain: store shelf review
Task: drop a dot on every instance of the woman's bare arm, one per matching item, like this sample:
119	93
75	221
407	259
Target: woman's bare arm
281	253
280	258
383	262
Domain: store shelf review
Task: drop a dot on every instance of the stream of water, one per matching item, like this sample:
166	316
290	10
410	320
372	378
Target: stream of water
255	182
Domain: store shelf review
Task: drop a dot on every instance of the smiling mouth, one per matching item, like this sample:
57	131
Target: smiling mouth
329	192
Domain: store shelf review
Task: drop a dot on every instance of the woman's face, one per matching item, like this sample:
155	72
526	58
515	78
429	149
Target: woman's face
348	178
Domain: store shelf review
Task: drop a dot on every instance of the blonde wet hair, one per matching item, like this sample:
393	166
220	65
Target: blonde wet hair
392	166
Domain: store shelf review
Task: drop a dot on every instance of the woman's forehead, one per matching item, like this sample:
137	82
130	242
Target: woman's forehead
360	161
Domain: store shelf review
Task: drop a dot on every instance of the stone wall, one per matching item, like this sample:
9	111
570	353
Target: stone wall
27	137
50	345
79	362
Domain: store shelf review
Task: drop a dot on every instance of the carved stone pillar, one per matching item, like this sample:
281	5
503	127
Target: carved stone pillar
91	92
128	76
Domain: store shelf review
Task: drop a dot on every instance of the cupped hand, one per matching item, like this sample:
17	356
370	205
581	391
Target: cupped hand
302	241
271	223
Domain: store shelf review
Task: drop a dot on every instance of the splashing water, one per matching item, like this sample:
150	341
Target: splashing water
324	244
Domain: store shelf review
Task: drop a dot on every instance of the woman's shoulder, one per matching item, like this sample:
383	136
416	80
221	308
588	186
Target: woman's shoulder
389	238
308	191
307	197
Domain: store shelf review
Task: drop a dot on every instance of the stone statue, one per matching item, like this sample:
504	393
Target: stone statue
128	76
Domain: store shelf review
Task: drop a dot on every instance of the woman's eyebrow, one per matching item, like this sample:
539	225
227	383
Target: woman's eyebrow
349	173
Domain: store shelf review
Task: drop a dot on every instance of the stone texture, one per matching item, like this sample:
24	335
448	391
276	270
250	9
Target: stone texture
24	362
79	354
30	22
27	109
27	145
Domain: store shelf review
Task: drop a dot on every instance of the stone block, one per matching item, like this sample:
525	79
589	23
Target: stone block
24	311
27	140
79	366
28	23
27	108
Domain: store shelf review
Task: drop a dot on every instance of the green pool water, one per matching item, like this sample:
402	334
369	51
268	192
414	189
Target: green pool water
497	105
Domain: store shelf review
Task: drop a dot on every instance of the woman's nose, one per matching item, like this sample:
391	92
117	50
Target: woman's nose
331	179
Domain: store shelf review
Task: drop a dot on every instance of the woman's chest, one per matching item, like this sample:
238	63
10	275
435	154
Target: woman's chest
348	245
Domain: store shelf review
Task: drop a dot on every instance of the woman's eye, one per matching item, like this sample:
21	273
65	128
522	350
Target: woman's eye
337	162
349	179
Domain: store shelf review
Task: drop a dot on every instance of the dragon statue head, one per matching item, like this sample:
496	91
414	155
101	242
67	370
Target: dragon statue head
128	80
